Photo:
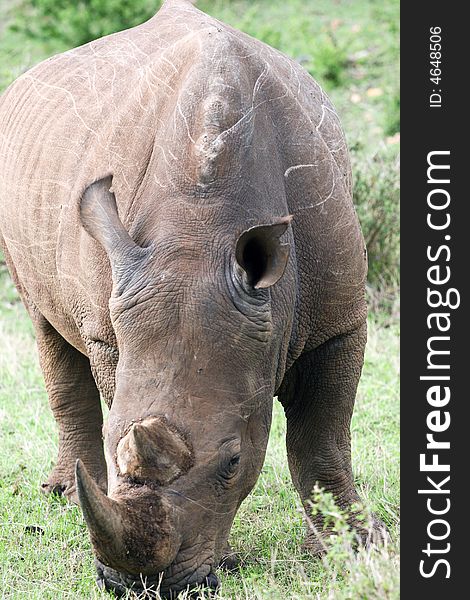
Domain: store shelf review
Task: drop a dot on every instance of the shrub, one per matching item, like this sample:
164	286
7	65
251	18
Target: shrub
377	200
392	115
371	573
75	23
330	61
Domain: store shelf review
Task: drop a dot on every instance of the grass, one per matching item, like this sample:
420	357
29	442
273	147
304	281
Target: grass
44	547
351	47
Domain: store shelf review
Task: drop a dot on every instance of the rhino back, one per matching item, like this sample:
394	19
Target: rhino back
181	109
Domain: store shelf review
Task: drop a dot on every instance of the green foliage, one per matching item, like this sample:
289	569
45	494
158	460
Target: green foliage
75	23
392	115
377	200
329	61
355	572
350	48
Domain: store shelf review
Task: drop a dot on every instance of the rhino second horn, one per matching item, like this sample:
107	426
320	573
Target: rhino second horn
153	451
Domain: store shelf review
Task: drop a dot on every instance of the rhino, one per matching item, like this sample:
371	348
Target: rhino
176	213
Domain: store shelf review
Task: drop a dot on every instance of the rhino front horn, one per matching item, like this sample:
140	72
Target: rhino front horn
102	515
132	534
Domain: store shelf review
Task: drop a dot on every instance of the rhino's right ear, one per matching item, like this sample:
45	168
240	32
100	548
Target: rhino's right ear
261	254
100	219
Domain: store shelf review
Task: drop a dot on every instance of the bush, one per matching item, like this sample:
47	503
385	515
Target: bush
369	573
330	61
377	200
75	23
392	115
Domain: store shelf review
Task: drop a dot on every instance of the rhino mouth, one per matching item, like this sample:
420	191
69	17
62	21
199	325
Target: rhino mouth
156	586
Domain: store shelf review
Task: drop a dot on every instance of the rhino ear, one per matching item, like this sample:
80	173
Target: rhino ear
100	219
261	255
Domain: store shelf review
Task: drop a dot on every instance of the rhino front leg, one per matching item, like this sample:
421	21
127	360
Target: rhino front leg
318	397
75	403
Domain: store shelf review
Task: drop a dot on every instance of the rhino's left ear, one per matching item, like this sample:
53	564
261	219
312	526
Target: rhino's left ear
100	219
261	254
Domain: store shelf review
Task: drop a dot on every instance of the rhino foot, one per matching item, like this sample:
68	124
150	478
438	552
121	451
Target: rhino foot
230	560
317	543
61	484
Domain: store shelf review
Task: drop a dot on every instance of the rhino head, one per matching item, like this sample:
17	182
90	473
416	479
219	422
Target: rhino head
186	435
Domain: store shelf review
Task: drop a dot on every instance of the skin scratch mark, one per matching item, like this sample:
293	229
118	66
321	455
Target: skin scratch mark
35	82
186	123
296	167
170	63
323	107
159	183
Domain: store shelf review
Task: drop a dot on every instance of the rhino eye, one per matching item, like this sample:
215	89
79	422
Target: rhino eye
231	466
234	461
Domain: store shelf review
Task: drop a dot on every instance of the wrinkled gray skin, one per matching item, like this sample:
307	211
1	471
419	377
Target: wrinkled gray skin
225	266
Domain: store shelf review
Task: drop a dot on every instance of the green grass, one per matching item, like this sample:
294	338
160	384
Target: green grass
351	47
56	562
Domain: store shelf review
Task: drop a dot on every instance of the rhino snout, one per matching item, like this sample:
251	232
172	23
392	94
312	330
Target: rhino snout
150	586
135	533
